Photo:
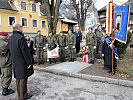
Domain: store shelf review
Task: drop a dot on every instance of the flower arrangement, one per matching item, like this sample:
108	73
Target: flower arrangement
83	51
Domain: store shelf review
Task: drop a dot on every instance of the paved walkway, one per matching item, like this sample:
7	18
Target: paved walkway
47	86
68	67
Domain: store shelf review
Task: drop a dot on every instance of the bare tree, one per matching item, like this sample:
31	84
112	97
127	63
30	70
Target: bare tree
81	9
52	12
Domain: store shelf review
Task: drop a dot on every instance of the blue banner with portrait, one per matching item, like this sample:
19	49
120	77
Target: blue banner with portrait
121	16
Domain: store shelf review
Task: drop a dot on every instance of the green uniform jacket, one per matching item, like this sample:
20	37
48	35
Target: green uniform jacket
39	41
62	41
99	36
5	57
90	39
52	42
71	39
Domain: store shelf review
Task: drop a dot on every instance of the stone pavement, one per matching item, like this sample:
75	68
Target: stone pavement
47	86
68	67
72	69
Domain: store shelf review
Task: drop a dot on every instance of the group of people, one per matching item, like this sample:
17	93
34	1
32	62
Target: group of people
15	56
98	42
16	53
70	42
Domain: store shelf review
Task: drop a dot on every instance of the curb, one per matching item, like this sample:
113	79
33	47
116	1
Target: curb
120	82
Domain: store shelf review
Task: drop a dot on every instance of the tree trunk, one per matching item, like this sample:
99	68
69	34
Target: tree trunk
52	14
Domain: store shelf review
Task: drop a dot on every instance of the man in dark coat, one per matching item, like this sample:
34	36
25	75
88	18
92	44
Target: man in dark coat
78	36
21	61
107	56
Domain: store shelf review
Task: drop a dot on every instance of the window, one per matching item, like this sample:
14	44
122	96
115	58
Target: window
24	22
33	7
23	5
34	23
43	24
11	20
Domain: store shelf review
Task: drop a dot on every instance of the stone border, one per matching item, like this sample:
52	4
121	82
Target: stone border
120	82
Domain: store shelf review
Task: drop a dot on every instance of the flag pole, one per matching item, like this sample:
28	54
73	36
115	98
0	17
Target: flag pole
112	38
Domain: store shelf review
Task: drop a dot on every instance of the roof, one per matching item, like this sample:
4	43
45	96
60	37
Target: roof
7	5
69	21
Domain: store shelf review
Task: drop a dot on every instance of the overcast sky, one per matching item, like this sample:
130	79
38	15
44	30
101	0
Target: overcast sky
101	3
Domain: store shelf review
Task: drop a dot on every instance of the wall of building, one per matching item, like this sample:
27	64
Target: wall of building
29	15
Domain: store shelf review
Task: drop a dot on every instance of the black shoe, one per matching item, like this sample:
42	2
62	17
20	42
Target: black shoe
28	96
72	60
92	62
110	71
7	91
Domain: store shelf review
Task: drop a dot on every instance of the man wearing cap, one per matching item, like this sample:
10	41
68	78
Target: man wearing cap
40	43
99	34
5	64
51	43
21	61
62	40
71	41
78	36
91	44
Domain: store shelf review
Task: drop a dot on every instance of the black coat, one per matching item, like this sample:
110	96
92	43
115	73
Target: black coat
107	51
20	56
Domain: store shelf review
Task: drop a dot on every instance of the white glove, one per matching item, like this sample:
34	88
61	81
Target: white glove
102	55
46	45
34	48
44	48
116	57
110	45
66	47
94	47
73	46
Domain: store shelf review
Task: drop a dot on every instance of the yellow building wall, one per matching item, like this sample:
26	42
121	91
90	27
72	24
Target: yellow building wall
64	27
29	15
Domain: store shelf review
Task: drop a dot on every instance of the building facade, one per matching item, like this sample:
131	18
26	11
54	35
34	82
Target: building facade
28	14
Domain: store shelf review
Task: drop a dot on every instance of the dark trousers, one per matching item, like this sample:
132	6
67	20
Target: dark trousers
77	46
21	88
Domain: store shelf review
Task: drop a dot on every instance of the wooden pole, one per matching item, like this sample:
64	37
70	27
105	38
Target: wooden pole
112	39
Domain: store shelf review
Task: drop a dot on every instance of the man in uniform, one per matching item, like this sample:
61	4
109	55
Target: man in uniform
5	64
71	41
91	44
62	40
51	43
39	46
99	34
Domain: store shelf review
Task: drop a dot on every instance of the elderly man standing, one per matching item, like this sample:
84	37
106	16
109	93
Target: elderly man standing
21	61
5	64
78	36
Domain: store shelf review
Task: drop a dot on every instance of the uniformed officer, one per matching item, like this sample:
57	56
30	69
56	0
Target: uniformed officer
71	41
91	44
39	43
5	64
99	34
62	41
51	43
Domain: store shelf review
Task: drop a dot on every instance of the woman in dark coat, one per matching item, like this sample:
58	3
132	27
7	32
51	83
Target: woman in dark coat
30	46
21	61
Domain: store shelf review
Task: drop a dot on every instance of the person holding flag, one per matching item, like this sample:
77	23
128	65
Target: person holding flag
107	54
